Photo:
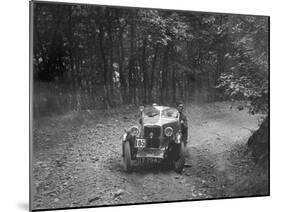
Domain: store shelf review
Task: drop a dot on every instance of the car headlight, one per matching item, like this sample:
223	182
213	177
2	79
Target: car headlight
168	131
134	131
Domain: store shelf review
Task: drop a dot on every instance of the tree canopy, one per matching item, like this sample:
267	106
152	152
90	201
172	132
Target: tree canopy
105	56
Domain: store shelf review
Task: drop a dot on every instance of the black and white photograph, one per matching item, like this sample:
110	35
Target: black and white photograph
132	105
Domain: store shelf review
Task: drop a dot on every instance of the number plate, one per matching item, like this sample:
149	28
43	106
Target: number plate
140	143
149	153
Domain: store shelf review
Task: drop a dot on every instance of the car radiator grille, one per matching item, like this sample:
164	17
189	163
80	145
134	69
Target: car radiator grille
153	142
155	130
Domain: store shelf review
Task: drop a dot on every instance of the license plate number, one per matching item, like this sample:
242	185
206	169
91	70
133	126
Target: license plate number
150	154
140	143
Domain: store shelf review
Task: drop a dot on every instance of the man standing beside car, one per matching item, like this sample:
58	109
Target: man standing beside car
183	122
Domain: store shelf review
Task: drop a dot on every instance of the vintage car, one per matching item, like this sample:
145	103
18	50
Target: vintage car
158	136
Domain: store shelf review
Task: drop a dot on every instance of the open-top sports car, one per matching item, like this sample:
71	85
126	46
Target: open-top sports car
158	137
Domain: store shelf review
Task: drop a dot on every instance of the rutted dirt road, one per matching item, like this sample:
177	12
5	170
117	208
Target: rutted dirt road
77	159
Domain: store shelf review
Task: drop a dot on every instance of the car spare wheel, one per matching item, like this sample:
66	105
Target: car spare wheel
127	156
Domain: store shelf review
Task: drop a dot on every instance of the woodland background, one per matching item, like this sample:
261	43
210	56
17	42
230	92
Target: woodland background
96	57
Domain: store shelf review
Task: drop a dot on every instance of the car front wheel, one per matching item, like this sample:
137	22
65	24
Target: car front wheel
127	160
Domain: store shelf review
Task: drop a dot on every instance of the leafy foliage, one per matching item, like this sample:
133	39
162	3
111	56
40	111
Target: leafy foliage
247	76
112	56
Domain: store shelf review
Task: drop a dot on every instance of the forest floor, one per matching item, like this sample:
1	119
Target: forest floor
77	160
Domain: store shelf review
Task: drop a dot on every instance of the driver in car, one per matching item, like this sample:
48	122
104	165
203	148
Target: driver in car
183	122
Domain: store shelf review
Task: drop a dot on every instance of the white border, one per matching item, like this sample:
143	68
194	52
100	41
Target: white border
15	89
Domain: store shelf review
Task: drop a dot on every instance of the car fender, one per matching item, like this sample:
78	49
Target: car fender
131	140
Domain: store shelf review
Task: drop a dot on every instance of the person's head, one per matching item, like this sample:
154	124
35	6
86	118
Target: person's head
180	106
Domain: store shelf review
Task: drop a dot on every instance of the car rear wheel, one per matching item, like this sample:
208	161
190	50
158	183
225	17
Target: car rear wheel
127	157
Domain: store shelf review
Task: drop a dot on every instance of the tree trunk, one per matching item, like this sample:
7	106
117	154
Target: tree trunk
144	72
105	68
49	62
123	83
174	86
110	73
152	74
164	76
132	63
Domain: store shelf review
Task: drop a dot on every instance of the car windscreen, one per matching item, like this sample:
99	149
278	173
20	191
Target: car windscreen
151	115
169	113
151	112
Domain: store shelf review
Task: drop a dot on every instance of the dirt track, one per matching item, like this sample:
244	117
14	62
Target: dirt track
77	159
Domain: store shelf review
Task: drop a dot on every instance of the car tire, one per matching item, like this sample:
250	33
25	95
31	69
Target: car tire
127	160
179	163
